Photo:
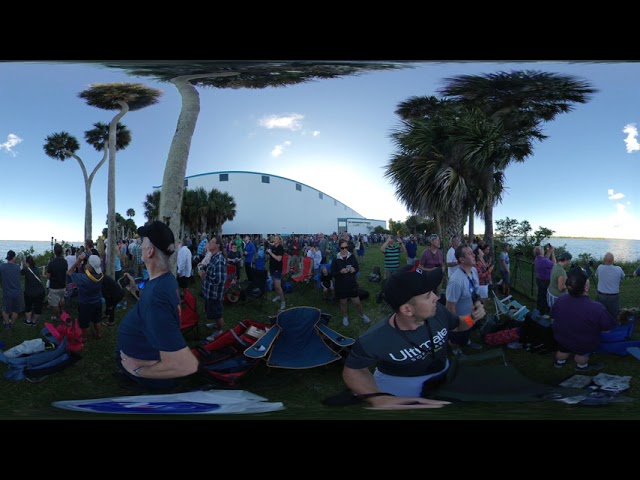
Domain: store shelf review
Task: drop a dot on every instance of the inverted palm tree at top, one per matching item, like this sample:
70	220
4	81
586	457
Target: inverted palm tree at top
122	97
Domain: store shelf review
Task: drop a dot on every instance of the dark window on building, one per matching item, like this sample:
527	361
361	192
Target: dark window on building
224	177
266	179
320	196
298	187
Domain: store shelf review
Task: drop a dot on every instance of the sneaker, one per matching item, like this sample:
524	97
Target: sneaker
213	335
457	352
366	319
558	364
283	305
345	321
276	299
590	367
474	345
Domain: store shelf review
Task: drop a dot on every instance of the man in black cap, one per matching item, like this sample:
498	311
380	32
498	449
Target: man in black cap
11	289
409	347
151	349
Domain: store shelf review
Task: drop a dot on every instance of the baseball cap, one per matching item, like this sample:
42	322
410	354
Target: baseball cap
11	254
94	261
408	282
160	235
564	256
433	237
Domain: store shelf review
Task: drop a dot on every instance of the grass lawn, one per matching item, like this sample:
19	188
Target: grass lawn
301	391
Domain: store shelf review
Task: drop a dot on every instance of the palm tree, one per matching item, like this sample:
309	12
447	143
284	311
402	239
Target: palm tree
122	97
186	77
152	206
518	102
62	145
222	207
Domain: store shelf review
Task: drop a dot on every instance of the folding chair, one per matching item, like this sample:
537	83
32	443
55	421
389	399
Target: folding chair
257	289
306	273
298	339
231	287
189	318
509	309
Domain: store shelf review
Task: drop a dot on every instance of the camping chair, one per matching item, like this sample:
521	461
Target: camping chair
306	273
189	318
618	340
298	339
257	289
508	309
231	287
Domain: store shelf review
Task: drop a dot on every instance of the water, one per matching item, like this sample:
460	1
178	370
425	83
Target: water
623	250
19	246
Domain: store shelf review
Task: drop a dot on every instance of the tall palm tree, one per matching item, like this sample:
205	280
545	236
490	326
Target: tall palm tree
122	97
62	145
222	207
187	76
152	206
519	102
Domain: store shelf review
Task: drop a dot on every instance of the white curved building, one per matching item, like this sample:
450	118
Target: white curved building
268	204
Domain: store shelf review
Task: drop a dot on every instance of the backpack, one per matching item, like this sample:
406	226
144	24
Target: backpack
36	366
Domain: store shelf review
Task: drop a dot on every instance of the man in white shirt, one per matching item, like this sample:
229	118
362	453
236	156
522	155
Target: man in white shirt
184	264
609	278
452	261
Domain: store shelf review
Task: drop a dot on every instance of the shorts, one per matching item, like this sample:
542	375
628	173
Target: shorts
347	293
183	282
276	274
89	313
506	277
213	309
563	349
11	304
34	304
56	296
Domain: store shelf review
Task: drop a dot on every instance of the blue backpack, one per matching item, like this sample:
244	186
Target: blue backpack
37	366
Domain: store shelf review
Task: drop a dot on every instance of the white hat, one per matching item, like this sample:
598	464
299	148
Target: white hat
94	261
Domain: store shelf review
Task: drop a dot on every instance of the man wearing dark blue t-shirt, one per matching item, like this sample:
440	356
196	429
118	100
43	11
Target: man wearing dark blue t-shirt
151	348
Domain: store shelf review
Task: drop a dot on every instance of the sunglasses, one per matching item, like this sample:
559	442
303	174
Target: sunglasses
343	248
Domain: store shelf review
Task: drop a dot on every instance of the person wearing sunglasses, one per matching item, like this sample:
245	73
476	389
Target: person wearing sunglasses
344	270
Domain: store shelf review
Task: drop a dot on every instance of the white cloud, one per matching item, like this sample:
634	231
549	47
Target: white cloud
12	141
278	149
313	133
614	196
632	137
292	121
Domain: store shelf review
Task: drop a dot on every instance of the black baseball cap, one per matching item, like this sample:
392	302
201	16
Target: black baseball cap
409	282
160	235
10	254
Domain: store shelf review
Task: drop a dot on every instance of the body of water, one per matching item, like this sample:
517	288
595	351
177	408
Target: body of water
623	250
19	246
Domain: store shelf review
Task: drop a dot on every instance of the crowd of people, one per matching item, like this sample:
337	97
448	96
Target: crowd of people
436	299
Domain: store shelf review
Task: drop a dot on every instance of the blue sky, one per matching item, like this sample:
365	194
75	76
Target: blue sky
332	135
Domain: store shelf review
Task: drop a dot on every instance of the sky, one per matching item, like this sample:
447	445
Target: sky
333	135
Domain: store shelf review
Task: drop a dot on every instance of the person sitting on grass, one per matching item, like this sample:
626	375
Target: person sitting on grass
578	322
326	282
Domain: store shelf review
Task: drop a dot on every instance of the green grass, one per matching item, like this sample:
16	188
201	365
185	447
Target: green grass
301	391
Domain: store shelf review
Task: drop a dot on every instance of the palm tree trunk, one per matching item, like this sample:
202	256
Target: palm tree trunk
176	165
471	219
112	232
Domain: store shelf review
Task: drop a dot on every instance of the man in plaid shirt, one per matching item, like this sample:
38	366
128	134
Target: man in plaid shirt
214	279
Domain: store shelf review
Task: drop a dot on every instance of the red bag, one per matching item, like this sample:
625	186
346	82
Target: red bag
68	328
503	336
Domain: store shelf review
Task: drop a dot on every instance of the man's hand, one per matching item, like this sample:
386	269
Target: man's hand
478	312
